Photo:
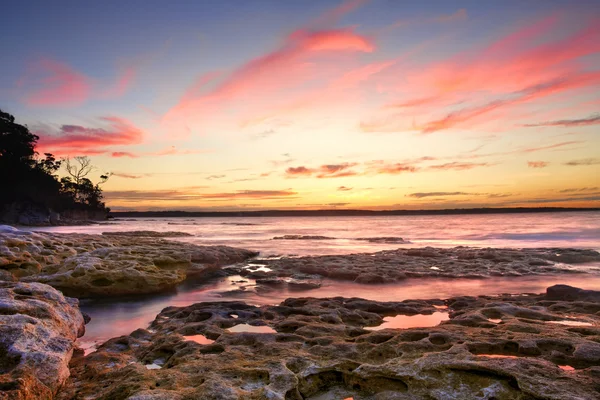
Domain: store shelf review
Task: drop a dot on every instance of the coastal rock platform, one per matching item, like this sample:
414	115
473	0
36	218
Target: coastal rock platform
38	329
396	265
503	347
82	265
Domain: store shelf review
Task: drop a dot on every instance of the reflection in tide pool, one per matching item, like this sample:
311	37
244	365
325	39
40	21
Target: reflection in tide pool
121	316
571	323
201	339
251	328
411	321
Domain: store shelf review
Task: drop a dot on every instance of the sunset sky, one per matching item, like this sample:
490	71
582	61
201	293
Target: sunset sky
382	104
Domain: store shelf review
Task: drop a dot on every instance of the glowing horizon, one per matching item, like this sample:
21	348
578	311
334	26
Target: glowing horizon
311	105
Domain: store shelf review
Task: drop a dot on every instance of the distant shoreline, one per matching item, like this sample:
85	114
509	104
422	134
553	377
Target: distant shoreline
343	213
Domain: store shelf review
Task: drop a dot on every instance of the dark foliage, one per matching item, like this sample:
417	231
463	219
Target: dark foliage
27	179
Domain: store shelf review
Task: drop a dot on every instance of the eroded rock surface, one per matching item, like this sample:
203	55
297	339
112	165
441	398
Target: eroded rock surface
38	328
459	262
91	265
502	347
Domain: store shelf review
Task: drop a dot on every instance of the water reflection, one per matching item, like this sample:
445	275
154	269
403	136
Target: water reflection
201	339
411	321
251	328
121	316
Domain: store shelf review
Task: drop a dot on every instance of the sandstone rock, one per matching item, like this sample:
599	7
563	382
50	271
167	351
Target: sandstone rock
459	262
302	237
93	265
327	349
38	328
566	292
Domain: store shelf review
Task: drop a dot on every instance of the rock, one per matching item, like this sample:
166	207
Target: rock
385	239
94	265
459	262
313	348
38	328
302	237
296	284
8	229
54	218
566	292
148	234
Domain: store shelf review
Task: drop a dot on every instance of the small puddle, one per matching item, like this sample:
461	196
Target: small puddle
200	339
257	268
88	347
251	328
571	323
495	356
441	307
411	321
496	321
567	368
434	268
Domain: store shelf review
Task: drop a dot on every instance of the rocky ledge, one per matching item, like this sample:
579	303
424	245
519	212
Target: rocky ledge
396	265
38	328
505	347
83	265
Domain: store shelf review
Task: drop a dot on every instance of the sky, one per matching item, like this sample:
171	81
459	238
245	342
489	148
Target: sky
254	105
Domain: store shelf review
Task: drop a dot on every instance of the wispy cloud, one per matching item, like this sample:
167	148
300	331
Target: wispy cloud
580	190
126	176
537	164
420	195
78	140
188	194
324	171
54	83
591	120
458	166
583	161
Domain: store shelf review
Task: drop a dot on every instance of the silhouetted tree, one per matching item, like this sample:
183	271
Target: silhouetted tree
26	179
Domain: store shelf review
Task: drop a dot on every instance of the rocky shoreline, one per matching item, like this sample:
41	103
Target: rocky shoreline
82	265
506	347
529	346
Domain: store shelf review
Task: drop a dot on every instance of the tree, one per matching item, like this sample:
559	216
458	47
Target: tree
27	180
79	187
79	167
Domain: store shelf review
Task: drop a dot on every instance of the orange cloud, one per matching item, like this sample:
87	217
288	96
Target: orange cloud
458	166
537	164
324	171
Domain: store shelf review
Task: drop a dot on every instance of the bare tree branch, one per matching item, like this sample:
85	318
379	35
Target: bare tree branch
79	167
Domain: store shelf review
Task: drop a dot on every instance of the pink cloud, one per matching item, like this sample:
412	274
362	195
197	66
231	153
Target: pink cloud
119	154
55	83
519	68
77	140
307	58
50	83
